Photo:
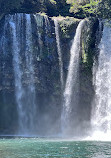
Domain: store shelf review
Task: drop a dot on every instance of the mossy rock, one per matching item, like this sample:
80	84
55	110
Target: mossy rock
67	26
88	42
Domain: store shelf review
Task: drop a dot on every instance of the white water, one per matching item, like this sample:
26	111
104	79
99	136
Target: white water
3	43
25	95
59	53
17	69
47	29
101	114
31	101
71	87
39	23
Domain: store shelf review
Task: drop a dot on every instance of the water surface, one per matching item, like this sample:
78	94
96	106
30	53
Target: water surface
48	148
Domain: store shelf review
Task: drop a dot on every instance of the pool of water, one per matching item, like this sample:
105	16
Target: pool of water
53	148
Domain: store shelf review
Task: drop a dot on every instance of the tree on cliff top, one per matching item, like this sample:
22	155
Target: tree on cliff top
105	9
86	7
78	8
100	8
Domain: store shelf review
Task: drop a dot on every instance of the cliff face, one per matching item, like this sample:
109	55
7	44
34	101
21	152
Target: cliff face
89	53
46	74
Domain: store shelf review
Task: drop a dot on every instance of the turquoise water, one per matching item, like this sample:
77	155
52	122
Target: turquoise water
44	148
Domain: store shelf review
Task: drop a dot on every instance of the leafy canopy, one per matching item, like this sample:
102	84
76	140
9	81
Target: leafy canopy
87	7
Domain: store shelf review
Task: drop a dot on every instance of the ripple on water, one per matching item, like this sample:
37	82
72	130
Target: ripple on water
44	148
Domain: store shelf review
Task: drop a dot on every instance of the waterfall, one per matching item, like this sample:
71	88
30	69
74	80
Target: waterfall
17	69
71	87
39	23
31	98
3	44
25	94
30	77
101	113
47	31
59	53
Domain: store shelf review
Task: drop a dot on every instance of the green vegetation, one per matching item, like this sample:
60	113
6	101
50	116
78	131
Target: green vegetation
105	9
53	2
85	8
76	8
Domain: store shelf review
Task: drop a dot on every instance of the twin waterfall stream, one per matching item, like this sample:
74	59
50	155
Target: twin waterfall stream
22	46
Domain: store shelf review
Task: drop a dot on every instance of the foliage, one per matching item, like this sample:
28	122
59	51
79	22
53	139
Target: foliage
57	7
104	10
77	8
86	7
53	2
91	7
98	8
75	5
6	5
10	6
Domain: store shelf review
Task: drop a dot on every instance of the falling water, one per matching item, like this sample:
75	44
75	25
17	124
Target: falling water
39	23
59	52
3	44
101	115
25	95
47	30
17	69
71	88
31	101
